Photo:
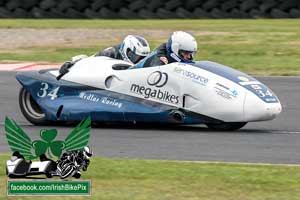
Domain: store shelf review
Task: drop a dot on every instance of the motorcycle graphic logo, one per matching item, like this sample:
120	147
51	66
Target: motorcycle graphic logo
72	154
158	79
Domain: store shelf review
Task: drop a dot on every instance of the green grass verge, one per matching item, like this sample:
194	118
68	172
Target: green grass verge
227	25
125	179
259	47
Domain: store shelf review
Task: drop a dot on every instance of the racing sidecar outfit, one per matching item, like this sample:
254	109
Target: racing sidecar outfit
70	163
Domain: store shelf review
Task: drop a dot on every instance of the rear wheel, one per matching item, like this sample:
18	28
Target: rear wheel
226	126
30	109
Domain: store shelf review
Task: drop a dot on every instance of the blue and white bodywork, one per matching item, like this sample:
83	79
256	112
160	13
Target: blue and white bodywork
108	90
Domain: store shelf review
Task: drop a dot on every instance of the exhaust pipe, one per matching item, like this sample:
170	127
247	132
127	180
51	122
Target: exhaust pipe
177	116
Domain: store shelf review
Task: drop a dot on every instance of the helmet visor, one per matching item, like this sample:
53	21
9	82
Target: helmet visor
134	58
186	55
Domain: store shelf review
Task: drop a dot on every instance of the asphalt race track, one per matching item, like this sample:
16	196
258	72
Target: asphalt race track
276	141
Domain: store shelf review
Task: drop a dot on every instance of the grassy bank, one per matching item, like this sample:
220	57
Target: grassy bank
259	47
139	179
227	25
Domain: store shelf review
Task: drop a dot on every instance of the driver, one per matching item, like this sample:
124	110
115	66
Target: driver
133	49
181	47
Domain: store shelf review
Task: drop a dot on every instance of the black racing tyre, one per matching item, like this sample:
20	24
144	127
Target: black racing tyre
276	13
236	13
30	109
257	14
108	14
268	5
13	4
64	5
192	4
127	14
2	2
201	14
4	13
172	5
208	5
98	4
155	4
57	14
228	5
295	13
146	14
80	5
226	126
74	14
77	175
248	5
165	14
288	4
39	13
48	175
116	4
47	4
29	4
89	13
183	13
21	13
218	14
137	5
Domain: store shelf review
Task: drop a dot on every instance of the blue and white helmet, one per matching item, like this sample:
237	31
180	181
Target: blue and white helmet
87	152
134	48
181	43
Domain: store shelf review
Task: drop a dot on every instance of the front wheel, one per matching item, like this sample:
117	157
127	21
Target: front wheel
226	126
30	109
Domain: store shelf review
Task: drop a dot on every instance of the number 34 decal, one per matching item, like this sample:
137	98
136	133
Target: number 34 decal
44	91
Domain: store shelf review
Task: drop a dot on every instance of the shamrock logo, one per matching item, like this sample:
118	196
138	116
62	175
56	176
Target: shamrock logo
19	141
47	145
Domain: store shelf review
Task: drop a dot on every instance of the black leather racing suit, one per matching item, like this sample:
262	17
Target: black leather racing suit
158	57
112	52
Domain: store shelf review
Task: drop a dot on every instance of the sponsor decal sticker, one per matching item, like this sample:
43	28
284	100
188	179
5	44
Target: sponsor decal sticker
243	78
256	87
191	75
156	81
103	100
225	91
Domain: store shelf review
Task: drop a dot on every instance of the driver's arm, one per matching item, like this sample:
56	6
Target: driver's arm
108	52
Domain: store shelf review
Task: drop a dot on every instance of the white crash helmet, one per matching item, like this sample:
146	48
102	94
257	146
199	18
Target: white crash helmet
87	152
181	42
134	48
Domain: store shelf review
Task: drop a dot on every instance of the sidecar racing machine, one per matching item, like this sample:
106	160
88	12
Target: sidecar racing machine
109	90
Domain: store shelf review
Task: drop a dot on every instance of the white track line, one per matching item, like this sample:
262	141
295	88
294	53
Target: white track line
237	163
26	66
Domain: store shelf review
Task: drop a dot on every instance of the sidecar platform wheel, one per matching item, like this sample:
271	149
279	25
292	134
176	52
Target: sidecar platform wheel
226	126
30	109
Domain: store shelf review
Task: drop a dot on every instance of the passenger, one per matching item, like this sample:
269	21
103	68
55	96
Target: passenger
181	47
